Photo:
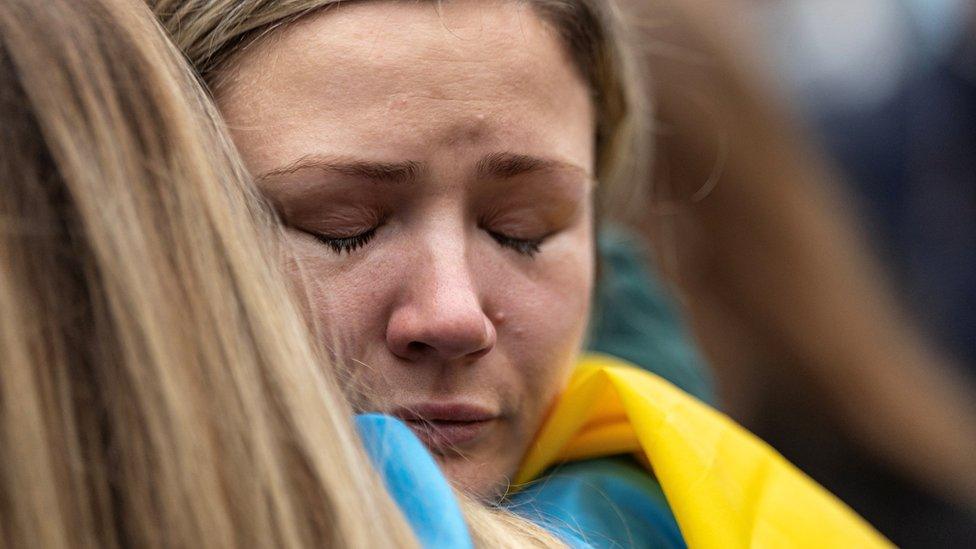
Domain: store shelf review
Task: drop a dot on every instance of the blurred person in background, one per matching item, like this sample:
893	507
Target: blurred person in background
895	104
811	344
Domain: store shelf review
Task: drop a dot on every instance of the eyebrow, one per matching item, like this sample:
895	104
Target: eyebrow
388	172
498	165
504	165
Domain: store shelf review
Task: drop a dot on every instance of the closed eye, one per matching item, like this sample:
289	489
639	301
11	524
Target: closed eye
524	246
349	244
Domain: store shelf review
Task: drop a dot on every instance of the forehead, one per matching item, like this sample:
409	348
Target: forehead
412	75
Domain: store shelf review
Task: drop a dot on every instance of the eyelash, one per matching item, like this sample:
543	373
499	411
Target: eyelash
347	244
528	247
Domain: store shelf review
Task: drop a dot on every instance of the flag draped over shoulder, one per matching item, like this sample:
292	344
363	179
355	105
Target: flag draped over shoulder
726	487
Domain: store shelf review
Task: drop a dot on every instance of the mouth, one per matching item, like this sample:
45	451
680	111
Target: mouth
448	428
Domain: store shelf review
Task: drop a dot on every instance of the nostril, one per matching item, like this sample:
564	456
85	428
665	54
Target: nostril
416	350
418	347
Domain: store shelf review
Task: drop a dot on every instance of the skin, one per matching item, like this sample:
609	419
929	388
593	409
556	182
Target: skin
464	136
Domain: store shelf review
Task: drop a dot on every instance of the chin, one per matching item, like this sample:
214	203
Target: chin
474	477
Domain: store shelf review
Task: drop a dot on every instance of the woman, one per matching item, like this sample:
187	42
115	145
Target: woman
158	386
437	164
440	212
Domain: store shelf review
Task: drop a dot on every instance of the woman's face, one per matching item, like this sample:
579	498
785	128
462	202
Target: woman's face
434	167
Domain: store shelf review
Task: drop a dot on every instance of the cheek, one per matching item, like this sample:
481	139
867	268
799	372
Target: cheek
545	319
562	321
347	314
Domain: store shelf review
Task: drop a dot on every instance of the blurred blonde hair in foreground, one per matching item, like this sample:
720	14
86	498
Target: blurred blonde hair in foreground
159	387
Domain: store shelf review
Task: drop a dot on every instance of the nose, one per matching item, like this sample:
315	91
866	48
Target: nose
440	317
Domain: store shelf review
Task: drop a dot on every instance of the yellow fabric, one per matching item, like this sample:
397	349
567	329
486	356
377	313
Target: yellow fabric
725	486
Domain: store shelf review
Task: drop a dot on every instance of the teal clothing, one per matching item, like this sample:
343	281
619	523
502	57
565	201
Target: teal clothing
607	502
614	502
634	319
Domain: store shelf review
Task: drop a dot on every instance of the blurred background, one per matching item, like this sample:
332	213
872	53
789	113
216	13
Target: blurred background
888	87
814	211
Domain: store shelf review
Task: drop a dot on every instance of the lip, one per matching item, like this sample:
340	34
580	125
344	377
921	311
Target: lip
447	427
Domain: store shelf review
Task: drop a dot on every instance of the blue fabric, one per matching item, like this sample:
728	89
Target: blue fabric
415	482
608	502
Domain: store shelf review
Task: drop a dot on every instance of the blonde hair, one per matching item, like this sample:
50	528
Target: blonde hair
159	386
212	33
